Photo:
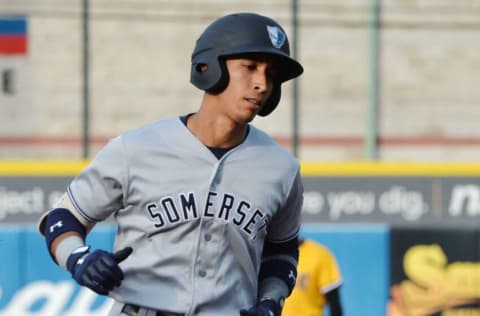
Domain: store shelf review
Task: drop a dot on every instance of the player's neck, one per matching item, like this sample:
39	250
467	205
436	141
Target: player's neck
216	131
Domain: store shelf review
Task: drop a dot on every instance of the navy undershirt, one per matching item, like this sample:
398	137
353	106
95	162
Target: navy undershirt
217	151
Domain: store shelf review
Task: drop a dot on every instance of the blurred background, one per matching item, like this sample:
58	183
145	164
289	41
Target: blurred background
385	122
384	79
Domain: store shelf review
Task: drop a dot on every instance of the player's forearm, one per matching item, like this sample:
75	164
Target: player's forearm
333	298
61	238
274	289
278	270
335	310
64	229
65	245
63	233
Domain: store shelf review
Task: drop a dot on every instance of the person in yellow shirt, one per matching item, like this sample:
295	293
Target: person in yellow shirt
318	282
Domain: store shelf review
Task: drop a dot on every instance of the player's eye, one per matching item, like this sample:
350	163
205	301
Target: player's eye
251	66
272	73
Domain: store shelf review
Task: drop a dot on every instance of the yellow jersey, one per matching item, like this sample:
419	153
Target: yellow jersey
318	273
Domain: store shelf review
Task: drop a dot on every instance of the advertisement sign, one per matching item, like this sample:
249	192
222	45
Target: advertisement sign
378	194
23	199
434	272
393	200
394	272
31	284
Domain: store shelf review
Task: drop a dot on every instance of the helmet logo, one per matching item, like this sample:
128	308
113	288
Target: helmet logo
277	37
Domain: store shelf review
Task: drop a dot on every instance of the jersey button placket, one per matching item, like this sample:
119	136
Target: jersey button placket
202	272
202	265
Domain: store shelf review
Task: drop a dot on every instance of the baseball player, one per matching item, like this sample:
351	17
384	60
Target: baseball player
207	205
318	283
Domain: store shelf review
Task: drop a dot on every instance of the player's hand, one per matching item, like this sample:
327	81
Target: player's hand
97	270
263	308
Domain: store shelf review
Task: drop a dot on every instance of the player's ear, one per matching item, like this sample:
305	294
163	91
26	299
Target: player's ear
201	67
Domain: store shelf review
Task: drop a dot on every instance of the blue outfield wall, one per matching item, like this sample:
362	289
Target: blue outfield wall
32	285
362	252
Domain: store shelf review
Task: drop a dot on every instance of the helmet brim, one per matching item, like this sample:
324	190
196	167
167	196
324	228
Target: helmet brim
287	67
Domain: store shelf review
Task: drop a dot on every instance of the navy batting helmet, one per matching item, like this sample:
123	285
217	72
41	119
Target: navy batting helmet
241	34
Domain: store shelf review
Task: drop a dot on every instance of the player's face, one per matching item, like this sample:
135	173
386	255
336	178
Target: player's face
250	85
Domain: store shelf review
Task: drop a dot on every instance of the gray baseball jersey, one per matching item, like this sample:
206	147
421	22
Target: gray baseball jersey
196	223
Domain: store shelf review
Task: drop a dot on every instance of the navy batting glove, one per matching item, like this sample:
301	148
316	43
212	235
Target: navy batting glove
264	308
98	270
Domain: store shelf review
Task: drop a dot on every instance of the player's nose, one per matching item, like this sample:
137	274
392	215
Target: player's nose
261	80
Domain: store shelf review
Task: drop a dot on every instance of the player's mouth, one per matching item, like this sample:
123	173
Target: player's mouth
254	101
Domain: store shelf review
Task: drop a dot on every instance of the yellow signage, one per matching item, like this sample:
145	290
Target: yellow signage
434	286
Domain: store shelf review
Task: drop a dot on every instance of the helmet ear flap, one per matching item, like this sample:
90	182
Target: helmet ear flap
211	77
272	101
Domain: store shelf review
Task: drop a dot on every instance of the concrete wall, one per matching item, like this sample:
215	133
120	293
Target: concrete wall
429	66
